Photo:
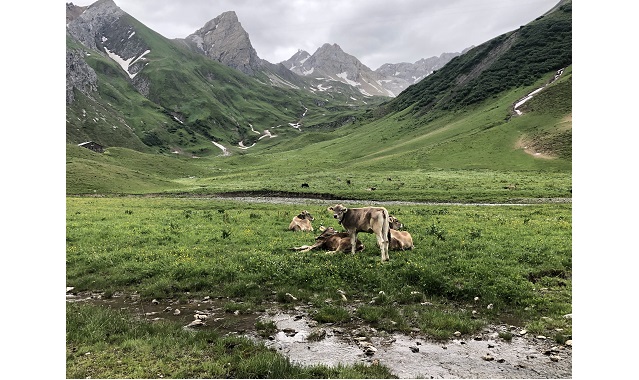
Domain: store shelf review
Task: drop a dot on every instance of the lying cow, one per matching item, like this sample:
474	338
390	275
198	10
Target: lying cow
366	219
331	240
302	222
399	240
394	223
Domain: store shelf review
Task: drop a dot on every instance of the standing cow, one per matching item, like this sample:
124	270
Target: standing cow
302	222
366	219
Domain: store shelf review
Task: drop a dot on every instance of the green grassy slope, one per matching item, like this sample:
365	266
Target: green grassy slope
472	154
186	100
517	58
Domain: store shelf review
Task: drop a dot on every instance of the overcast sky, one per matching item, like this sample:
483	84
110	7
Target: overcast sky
374	31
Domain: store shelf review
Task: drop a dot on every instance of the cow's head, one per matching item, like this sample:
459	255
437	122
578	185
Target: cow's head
394	223
326	232
306	215
338	212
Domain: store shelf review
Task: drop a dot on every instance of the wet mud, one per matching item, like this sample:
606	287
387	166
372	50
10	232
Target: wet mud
307	342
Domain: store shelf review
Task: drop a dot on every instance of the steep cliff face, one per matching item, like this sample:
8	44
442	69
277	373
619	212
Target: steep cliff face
93	25
223	39
80	76
103	27
73	11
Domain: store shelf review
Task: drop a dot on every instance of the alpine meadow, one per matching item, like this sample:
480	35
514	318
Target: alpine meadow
199	163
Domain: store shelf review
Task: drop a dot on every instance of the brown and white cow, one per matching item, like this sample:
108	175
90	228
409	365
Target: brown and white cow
365	219
302	222
399	240
331	240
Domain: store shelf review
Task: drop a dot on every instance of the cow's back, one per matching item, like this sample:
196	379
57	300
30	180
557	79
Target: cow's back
365	219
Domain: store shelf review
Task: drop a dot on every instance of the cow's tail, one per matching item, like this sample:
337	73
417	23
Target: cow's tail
386	226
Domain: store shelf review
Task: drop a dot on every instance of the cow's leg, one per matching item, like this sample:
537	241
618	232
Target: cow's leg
387	237
385	256
353	241
386	244
383	245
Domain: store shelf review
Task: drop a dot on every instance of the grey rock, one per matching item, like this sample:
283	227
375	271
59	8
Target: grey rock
80	76
223	39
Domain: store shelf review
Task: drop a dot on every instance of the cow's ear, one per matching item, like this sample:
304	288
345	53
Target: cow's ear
330	208
344	209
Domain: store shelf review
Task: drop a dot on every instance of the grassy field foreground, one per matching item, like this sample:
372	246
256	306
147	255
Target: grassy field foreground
506	263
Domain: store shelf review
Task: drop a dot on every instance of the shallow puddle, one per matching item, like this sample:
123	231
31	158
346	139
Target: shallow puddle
484	356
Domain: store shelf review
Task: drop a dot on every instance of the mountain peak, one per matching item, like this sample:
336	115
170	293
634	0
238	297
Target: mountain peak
297	60
331	63
223	39
230	15
87	23
331	47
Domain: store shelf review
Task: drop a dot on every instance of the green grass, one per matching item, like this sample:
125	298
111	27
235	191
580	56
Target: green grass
517	258
472	265
109	344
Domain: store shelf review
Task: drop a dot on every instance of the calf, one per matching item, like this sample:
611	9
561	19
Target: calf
331	240
302	222
366	219
399	240
394	223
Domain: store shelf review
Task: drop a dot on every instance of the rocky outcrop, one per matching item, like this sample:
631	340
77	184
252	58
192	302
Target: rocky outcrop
296	62
73	11
102	27
92	24
330	62
224	40
80	75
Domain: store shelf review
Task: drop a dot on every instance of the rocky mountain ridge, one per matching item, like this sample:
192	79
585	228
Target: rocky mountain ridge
390	79
224	40
331	63
401	75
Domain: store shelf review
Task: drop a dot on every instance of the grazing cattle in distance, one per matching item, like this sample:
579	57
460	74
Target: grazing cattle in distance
302	222
366	219
332	241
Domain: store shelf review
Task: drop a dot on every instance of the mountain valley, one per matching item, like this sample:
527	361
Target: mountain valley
208	101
